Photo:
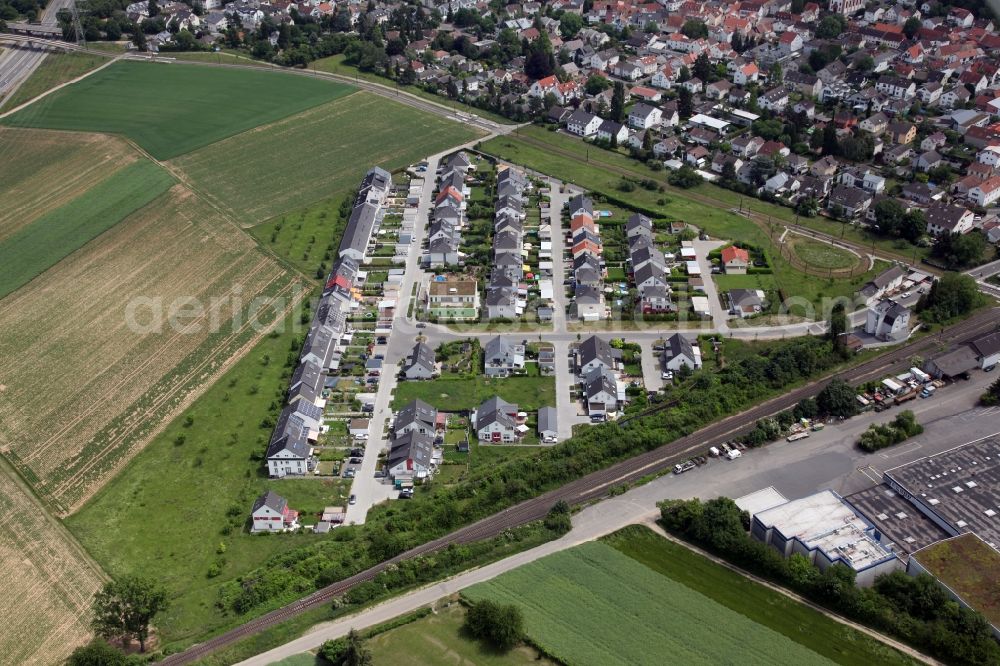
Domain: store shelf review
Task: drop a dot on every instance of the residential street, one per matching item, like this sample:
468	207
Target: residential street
827	460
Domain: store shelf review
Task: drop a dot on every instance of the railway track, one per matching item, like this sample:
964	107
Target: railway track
597	484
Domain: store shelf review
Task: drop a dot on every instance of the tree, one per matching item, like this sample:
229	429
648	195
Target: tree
595	83
960	250
694	29
96	653
953	295
838	327
126	607
685	105
702	67
837	399
685	177
558	518
888	216
500	625
911	27
570	24
618	102
830	144
831	26
776	75
347	651
992	395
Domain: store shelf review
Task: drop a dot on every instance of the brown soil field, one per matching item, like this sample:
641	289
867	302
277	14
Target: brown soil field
84	390
66	163
47	580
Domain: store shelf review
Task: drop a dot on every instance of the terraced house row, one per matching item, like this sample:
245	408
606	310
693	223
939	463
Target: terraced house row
588	262
506	296
290	450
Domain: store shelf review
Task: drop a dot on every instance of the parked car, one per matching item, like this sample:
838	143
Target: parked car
353	499
355	461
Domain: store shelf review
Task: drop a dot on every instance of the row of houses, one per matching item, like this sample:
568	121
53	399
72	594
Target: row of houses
598	367
298	426
449	215
584	240
648	266
506	296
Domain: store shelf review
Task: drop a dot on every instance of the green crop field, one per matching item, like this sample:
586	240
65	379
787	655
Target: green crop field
578	603
770	608
317	154
677	606
33	248
438	638
55	69
172	109
307	237
529	393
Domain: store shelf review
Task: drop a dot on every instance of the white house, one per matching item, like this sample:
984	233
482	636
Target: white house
643	116
600	386
271	513
888	320
680	352
496	421
410	455
288	455
985	193
583	124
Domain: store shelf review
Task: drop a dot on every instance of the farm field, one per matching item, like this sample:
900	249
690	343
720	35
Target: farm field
569	599
438	639
33	248
529	393
55	69
210	469
91	321
304	236
172	109
315	155
68	164
48	581
537	149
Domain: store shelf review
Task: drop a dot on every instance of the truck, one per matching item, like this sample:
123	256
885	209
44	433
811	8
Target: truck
680	468
794	437
928	391
819	425
733	454
906	397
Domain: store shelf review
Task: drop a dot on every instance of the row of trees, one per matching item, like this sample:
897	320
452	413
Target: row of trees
915	610
880	436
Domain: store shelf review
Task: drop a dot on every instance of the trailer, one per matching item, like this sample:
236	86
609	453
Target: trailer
794	437
906	397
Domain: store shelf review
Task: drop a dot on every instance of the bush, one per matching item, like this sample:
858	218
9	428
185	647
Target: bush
558	519
992	395
502	626
882	436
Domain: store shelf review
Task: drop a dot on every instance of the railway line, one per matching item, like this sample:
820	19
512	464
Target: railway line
597	484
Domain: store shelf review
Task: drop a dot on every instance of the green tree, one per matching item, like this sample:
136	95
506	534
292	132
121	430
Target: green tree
837	399
347	651
911	27
126	607
596	84
953	295
96	653
830	143
694	29
685	177
992	395
500	625
684	103
831	26
559	518
888	216
618	102
838	327
960	250
570	24
702	67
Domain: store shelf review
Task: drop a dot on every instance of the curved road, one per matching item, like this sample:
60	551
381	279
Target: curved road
598	484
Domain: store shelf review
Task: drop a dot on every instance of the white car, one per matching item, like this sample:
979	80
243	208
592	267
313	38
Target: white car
667	375
907	294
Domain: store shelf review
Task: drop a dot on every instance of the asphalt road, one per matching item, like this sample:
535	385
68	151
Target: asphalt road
950	418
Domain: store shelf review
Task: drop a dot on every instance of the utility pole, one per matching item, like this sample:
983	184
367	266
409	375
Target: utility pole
81	40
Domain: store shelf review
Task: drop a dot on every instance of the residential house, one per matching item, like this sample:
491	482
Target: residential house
611	131
420	363
849	202
583	124
884	283
410	455
548	426
496	421
735	260
656	300
589	302
948	219
600	386
678	352
746	302
643	116
986	193
888	320
288	455
902	132
415	416
271	513
595	352
502	358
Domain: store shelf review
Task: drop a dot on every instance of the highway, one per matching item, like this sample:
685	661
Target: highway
17	64
598	484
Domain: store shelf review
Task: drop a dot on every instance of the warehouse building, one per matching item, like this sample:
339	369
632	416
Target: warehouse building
826	530
958	489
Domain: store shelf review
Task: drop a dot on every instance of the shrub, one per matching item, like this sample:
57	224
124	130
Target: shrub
500	625
881	436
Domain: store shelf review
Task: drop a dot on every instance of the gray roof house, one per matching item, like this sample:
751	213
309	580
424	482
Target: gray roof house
417	416
679	351
595	352
420	363
410	454
496	420
638	225
548	426
601	388
501	357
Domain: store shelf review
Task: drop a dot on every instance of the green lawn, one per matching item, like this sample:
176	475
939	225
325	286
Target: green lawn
592	168
454	395
821	255
316	155
335	65
171	109
308	237
35	247
593	604
438	638
220	58
56	68
192	488
772	610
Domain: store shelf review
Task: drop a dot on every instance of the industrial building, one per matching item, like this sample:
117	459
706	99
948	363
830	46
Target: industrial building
956	489
826	530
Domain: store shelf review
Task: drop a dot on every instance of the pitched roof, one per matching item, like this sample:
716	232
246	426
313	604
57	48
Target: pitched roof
271	500
678	345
